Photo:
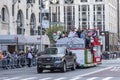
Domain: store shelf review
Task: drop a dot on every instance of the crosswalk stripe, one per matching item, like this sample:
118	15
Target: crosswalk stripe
46	78
115	69
31	78
76	78
60	78
14	78
108	78
93	78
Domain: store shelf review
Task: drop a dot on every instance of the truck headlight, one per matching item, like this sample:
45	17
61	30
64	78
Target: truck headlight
58	59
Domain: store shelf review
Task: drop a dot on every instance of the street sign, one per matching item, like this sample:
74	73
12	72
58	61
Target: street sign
45	23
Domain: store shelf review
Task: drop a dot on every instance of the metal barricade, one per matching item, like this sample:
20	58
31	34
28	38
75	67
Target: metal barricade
34	61
13	62
0	63
5	64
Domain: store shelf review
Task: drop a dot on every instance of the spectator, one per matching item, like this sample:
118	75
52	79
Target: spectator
1	56
78	33
82	35
72	33
29	56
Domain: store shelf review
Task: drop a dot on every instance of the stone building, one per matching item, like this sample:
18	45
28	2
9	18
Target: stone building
18	18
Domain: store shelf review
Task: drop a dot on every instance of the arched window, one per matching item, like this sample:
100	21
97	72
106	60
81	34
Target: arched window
4	14
33	25
20	20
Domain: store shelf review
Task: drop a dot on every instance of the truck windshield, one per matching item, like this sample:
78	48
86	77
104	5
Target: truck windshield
51	51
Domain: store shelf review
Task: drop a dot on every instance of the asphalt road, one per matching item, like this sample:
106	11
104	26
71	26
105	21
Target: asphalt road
108	70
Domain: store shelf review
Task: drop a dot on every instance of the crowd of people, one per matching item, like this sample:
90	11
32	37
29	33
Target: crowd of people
17	59
89	35
110	55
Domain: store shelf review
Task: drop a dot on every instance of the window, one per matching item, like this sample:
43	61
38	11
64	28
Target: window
99	13
99	8
98	0
33	1
30	1
84	7
26	13
3	14
79	8
19	1
54	1
68	1
83	0
12	10
39	17
39	2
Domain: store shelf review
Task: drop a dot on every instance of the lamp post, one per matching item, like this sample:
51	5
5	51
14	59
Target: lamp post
41	17
41	2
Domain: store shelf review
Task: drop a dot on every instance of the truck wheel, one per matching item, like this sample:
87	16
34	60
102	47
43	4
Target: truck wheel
39	70
74	66
64	67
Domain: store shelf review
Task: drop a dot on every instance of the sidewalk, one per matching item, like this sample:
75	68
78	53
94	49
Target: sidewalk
117	60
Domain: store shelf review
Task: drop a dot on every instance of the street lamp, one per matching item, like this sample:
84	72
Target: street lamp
41	17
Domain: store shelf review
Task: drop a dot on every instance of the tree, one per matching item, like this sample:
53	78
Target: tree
52	30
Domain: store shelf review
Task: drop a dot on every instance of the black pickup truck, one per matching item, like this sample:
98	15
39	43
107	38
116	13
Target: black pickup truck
56	58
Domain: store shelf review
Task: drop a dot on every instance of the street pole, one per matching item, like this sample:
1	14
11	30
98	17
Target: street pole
41	2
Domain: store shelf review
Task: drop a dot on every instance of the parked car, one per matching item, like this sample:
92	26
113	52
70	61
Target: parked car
56	58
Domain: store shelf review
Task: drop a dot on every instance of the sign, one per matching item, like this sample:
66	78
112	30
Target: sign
89	57
45	20
45	23
80	56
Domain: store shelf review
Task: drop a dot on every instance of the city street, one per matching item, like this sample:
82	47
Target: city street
108	70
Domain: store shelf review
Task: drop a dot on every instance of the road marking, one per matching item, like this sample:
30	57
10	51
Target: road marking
108	78
3	77
115	69
93	78
60	78
76	78
46	78
86	74
31	78
14	78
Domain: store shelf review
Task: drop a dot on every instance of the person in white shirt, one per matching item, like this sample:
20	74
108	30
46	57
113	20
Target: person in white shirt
72	33
29	56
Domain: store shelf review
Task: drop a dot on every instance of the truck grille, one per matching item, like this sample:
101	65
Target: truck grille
47	60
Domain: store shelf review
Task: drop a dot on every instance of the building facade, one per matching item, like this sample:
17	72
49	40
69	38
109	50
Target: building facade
18	19
87	14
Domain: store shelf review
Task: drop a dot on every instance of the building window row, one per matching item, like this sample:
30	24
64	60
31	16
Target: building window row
70	1
69	17
30	1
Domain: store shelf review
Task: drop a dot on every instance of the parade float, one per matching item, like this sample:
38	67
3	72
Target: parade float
88	50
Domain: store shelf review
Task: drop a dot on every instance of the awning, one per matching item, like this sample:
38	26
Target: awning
22	40
8	39
36	39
